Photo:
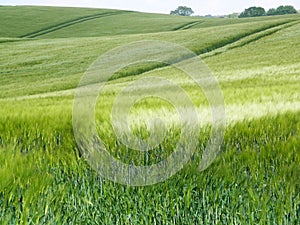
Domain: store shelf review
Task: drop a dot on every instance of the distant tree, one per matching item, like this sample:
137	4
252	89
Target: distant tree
253	12
182	11
272	12
288	9
282	10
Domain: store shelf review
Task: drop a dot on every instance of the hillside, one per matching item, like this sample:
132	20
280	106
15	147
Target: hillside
55	22
44	177
29	21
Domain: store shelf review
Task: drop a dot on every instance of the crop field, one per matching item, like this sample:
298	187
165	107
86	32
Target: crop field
44	177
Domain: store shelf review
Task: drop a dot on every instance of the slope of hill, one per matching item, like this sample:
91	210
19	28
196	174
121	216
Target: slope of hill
128	23
18	21
62	61
29	21
55	22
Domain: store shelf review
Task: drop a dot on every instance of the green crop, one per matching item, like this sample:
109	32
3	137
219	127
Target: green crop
44	179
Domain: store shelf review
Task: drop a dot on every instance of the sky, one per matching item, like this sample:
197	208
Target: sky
201	7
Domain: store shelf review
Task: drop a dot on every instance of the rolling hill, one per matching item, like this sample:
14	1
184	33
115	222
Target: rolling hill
18	21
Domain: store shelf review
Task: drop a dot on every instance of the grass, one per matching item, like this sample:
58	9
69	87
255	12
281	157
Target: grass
252	182
44	178
36	18
52	22
120	24
229	21
67	59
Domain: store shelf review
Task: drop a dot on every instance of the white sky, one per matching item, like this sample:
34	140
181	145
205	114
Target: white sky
201	7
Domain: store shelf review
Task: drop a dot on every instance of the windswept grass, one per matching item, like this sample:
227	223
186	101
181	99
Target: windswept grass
255	180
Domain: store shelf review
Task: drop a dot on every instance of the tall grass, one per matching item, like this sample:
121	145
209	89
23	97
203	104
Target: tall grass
254	180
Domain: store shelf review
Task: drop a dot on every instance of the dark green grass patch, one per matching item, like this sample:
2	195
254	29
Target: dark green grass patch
254	180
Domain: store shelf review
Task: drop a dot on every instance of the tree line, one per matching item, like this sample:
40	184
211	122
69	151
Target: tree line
259	11
250	12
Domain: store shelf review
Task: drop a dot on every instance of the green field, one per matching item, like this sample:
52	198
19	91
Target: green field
45	51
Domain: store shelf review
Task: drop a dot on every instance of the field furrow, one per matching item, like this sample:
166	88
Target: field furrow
220	47
249	39
68	23
187	26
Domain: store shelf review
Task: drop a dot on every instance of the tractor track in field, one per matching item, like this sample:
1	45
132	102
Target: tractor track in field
10	40
187	25
68	23
235	42
248	39
222	47
241	37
